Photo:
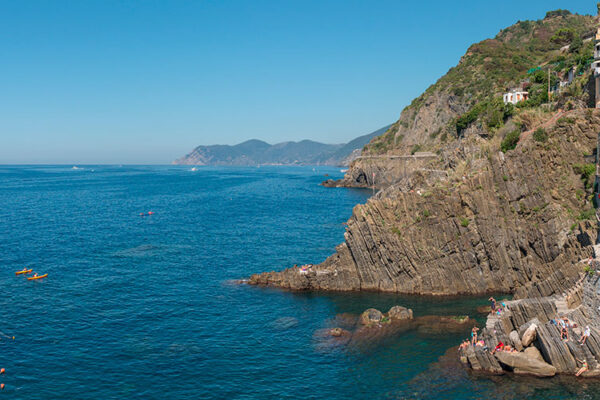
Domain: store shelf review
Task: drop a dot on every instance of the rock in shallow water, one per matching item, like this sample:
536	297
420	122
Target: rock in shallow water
400	313
523	363
371	316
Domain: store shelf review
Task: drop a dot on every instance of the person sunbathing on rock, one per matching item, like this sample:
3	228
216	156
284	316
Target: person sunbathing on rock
583	368
499	347
585	335
474	335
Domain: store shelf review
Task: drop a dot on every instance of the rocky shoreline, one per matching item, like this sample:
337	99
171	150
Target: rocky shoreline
532	327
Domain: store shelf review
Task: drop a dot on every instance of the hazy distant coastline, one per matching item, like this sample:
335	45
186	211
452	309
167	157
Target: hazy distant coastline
257	152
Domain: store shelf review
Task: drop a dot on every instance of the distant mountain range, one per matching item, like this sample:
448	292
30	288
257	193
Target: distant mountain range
256	152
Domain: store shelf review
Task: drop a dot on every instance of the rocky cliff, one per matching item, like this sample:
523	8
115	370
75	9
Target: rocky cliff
467	101
502	199
508	222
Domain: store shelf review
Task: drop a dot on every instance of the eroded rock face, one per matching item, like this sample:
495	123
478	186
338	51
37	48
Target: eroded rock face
503	226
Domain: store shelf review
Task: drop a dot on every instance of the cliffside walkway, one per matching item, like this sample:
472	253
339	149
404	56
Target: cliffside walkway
551	121
400	157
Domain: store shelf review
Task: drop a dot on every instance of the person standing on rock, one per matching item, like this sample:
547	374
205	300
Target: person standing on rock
564	332
474	335
493	301
585	335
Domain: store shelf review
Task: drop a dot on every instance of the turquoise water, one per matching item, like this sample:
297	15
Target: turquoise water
145	307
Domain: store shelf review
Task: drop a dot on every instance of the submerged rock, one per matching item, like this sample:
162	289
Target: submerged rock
338	332
435	324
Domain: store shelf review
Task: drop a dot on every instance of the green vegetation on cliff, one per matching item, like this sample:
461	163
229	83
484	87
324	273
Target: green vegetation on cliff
524	56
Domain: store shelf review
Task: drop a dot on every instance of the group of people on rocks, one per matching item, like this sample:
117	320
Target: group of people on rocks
474	340
304	269
564	324
495	308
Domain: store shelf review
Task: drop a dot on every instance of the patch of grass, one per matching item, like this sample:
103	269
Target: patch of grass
587	172
464	222
397	231
504	178
426	213
510	140
565	120
540	135
586	215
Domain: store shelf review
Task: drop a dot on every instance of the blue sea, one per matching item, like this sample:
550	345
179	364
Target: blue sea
148	307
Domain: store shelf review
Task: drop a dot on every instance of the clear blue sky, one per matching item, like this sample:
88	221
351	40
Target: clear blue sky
146	81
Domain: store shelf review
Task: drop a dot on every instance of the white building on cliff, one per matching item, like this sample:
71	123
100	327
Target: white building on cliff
515	97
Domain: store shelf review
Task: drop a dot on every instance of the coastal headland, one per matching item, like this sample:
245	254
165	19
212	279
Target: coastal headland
479	193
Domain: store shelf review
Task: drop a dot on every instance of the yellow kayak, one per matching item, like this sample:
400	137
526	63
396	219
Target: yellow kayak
33	278
25	271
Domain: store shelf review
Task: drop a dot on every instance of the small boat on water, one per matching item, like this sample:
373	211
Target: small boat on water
23	271
343	171
194	169
33	278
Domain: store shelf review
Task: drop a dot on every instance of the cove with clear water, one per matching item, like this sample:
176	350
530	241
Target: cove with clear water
146	307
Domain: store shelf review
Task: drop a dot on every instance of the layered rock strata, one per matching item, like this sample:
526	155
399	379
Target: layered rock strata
506	225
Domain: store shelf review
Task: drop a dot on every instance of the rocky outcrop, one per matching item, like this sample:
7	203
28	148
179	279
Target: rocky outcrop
510	226
399	313
372	326
531	323
522	363
371	316
383	171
